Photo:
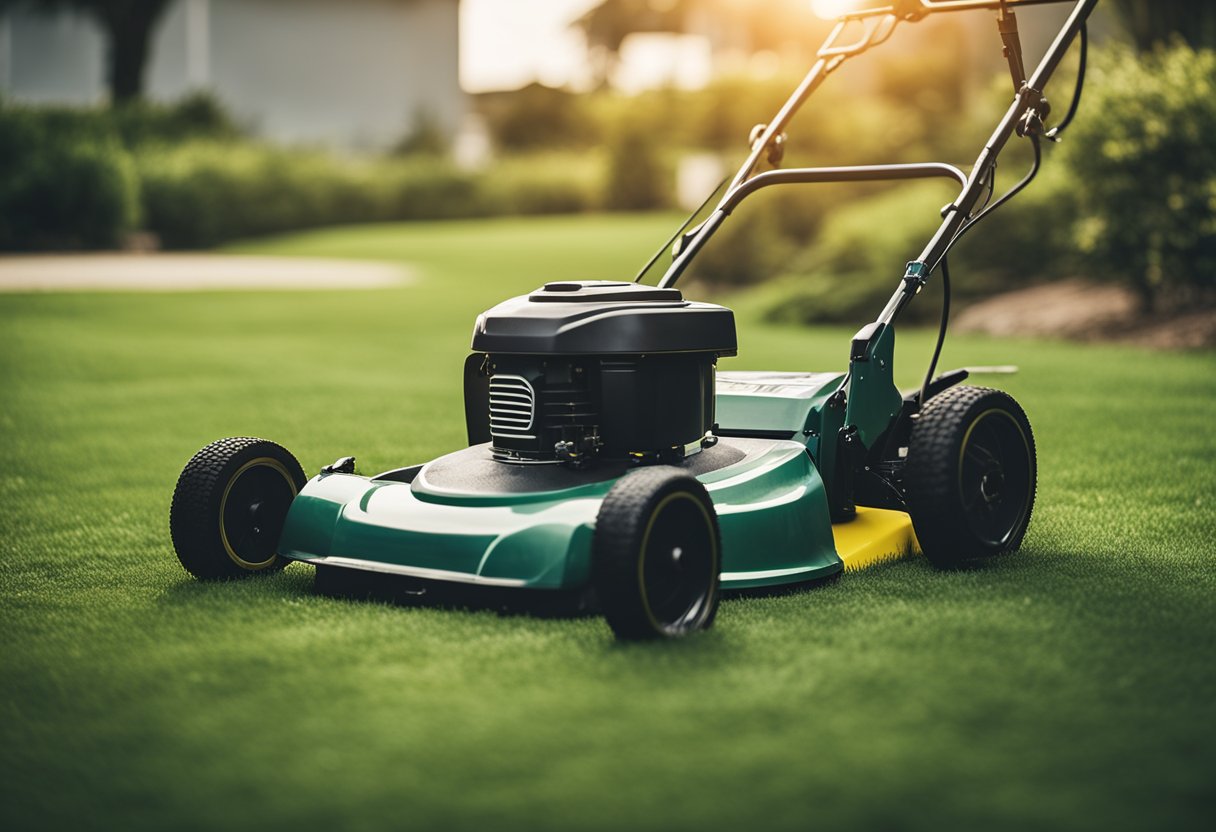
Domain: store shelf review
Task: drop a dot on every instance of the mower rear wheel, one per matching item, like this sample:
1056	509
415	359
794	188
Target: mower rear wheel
656	555
971	475
229	507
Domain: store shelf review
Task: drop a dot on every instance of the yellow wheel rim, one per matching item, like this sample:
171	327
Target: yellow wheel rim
267	462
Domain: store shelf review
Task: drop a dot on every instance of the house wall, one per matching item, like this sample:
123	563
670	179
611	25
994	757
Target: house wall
51	58
355	74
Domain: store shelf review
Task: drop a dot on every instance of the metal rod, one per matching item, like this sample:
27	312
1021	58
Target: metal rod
831	57
915	10
858	173
820	70
961	210
809	84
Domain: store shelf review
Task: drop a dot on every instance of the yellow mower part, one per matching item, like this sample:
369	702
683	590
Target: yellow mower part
875	535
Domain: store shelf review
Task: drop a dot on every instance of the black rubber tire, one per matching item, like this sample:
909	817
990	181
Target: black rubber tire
971	475
231	500
653	509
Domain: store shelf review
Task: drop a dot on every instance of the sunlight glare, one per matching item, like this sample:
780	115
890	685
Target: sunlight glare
832	9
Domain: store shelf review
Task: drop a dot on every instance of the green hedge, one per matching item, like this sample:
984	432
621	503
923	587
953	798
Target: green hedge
64	183
553	182
854	263
205	192
1144	155
80	178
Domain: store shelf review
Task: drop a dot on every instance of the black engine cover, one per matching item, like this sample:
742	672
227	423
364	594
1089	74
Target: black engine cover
599	317
584	368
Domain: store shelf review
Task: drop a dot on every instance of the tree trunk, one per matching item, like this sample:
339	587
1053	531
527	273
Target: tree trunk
129	25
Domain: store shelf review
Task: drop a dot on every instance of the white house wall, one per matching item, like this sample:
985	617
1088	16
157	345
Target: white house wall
53	58
354	74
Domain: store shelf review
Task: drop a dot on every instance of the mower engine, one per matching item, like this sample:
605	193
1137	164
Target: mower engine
596	368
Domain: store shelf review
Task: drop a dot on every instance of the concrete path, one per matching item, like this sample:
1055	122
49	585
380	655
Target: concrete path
190	273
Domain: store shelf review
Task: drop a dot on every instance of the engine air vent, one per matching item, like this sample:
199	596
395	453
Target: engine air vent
512	407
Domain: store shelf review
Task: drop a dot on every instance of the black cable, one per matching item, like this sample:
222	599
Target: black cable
1054	133
991	185
666	247
1038	149
1008	195
941	333
945	265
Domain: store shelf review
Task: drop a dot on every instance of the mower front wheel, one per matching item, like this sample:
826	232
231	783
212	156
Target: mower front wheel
971	475
656	555
229	507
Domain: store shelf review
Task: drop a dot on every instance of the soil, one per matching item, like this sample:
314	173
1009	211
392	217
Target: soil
1082	310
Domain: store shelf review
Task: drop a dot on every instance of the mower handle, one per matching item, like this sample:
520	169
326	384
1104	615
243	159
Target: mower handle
875	31
856	173
917	9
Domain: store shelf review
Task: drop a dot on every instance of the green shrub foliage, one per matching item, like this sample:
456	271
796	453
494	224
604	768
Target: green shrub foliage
637	179
202	193
1143	155
537	117
64	183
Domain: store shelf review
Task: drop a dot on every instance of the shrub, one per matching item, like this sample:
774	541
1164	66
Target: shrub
197	116
203	193
546	183
853	265
1028	239
63	184
426	138
1144	155
427	189
857	259
637	179
537	117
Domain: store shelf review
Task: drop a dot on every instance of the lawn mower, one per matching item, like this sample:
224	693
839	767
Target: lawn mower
609	462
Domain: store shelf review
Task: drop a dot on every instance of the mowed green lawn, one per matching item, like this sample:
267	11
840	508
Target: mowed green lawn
1072	685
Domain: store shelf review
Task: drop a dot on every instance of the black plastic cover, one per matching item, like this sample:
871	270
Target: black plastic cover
600	317
587	291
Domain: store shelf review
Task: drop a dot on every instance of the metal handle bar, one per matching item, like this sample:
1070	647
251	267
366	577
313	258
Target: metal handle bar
916	9
1029	97
830	58
856	173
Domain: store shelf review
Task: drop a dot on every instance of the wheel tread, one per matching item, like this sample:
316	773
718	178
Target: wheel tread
193	511
620	525
930	474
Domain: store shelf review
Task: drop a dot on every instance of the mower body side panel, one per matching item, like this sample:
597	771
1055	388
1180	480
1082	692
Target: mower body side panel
345	520
776	528
772	404
874	400
771	506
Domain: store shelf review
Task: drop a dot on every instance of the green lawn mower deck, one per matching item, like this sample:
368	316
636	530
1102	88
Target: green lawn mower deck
609	460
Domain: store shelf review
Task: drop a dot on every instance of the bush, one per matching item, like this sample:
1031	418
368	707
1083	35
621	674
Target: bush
760	239
425	189
427	137
547	183
537	117
139	122
63	184
857	259
1144	153
637	178
853	264
203	193
1031	238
